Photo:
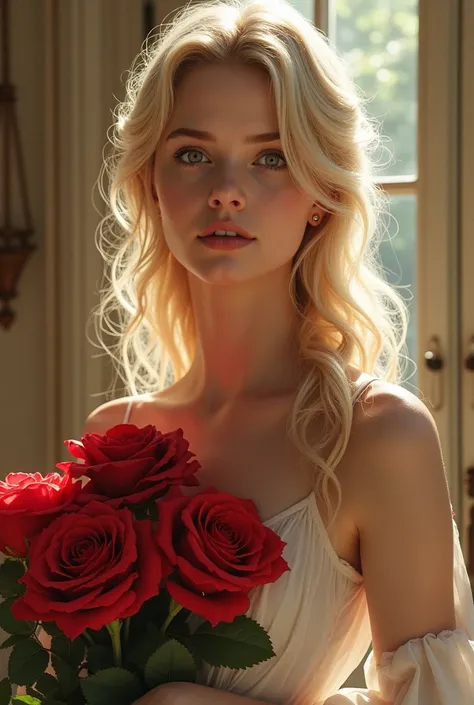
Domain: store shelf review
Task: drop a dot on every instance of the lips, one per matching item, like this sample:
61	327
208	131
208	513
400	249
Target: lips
226	225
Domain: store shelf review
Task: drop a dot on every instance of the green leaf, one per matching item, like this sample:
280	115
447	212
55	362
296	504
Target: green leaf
77	698
53	699
67	676
238	644
9	624
46	684
153	611
26	699
28	661
5	691
32	692
141	647
51	628
171	662
186	641
99	636
71	652
180	625
11	570
12	640
113	686
99	657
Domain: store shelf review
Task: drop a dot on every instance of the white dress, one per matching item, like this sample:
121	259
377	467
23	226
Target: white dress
317	617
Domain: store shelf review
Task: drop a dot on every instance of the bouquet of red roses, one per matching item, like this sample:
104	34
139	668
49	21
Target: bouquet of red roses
136	583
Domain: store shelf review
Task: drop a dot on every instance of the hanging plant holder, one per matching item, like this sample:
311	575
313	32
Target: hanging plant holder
12	263
15	245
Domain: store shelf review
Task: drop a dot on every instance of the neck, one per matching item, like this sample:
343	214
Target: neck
247	341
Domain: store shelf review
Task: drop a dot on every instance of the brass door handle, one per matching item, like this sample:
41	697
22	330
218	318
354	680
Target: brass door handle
469	365
434	361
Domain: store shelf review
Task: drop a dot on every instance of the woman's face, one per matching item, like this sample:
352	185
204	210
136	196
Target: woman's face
223	176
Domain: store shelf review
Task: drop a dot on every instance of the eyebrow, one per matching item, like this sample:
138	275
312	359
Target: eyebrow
208	137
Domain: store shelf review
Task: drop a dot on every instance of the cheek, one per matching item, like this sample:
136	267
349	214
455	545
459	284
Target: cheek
170	196
290	212
291	204
173	189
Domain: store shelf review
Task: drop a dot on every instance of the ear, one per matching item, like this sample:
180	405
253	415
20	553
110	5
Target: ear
316	216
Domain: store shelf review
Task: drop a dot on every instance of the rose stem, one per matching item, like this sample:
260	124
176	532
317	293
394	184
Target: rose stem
174	609
88	638
126	630
114	630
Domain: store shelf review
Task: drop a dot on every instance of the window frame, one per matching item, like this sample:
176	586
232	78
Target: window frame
438	228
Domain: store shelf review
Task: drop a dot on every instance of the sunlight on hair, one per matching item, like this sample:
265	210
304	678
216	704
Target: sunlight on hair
349	313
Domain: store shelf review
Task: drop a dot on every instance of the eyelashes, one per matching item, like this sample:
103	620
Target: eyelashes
185	150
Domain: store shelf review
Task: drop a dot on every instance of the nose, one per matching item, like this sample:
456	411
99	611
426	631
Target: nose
227	194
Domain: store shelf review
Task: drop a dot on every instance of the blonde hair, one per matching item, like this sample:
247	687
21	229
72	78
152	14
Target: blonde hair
349	314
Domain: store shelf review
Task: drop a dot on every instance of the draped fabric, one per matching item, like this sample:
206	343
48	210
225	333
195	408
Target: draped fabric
317	617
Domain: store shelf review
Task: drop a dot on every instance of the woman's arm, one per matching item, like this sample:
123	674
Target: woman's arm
404	518
192	694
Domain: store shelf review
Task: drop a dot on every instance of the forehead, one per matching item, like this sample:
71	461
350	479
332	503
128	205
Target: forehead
232	93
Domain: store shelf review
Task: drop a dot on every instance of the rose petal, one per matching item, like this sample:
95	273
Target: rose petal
223	607
202	579
130	573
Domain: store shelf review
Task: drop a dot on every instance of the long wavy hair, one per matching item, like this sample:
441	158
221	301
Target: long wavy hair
349	314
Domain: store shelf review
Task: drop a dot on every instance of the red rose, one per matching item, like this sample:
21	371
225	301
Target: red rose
89	568
220	550
130	465
29	502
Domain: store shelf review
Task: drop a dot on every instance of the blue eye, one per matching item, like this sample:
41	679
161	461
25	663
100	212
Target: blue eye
188	150
278	155
193	150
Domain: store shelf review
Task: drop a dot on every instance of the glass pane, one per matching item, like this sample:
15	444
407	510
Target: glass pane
398	255
379	40
306	7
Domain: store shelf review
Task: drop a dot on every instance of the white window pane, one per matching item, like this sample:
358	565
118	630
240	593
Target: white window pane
306	7
379	40
398	253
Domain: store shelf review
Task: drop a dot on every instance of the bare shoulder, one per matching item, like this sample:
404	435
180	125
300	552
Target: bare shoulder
146	408
388	414
108	414
397	449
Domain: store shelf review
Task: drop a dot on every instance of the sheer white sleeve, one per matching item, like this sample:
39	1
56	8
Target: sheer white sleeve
432	670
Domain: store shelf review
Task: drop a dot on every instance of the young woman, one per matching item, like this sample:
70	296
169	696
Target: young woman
253	315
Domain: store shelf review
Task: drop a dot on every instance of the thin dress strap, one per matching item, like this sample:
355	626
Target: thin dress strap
362	386
128	411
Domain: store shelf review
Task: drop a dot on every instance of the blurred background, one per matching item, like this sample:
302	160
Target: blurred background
67	61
